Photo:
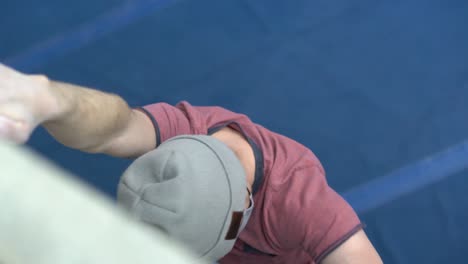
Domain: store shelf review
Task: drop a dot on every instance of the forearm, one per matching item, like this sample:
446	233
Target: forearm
78	117
85	119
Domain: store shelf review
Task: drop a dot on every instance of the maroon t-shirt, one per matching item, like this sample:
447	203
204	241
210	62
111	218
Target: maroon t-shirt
297	217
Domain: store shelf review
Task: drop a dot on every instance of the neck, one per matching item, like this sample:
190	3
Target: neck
241	147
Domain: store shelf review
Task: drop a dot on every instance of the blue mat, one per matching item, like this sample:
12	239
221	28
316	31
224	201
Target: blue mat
376	89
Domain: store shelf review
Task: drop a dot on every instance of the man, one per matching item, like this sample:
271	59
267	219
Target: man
266	194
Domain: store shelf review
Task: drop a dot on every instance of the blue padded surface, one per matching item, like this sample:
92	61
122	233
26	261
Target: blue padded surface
369	86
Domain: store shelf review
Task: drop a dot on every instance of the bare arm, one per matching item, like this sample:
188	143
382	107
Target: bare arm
356	250
78	117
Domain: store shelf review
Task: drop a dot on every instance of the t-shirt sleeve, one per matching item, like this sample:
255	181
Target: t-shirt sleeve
312	215
168	121
184	119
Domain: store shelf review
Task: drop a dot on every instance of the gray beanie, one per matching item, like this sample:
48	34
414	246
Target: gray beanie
191	187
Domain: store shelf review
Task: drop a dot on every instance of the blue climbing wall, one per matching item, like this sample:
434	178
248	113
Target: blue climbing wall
377	89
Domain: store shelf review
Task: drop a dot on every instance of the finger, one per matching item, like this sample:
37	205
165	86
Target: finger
13	130
6	127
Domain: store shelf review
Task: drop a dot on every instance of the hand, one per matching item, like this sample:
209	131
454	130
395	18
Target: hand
24	104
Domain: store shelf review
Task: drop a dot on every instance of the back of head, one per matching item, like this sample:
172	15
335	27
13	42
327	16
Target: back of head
191	187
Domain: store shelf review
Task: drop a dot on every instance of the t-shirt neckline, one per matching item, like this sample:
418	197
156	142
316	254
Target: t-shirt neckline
258	155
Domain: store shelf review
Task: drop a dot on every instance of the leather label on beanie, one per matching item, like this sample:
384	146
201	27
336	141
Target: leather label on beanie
235	225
